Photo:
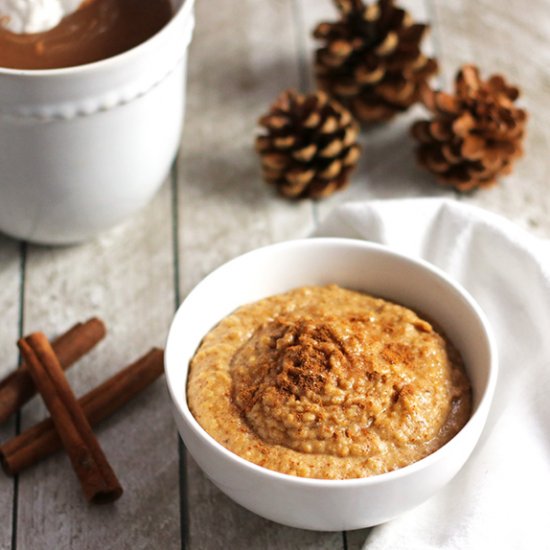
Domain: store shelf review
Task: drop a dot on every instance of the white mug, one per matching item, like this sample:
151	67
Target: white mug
82	148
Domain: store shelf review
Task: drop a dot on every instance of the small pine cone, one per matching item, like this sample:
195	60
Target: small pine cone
371	59
309	145
475	135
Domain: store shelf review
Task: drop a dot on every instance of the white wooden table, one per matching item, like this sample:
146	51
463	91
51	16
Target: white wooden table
212	207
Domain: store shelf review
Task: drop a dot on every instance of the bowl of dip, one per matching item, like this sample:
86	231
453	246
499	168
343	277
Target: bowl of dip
330	384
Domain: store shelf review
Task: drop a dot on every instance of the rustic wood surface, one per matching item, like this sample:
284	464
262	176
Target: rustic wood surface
213	207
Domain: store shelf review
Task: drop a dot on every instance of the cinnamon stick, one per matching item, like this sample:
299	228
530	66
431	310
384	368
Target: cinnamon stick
41	440
17	388
95	474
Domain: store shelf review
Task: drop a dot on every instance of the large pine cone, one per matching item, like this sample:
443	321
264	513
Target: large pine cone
371	59
475	135
309	146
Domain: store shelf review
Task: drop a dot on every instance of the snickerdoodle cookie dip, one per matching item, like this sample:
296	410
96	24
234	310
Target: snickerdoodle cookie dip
325	382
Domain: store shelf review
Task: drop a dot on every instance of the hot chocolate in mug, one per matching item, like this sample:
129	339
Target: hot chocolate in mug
83	147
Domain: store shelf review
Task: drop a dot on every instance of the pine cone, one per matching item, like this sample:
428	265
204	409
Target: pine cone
309	146
475	135
371	60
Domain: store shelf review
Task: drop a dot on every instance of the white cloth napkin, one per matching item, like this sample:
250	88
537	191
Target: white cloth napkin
501	498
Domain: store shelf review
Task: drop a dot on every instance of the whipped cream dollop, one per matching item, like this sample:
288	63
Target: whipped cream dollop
31	16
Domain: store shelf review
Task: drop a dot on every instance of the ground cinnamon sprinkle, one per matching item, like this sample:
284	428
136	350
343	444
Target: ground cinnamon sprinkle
327	382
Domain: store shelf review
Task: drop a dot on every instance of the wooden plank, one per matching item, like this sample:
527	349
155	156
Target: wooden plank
217	522
126	278
242	56
504	37
10	276
355	540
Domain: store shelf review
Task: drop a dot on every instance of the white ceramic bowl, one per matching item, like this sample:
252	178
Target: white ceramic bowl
82	148
330	505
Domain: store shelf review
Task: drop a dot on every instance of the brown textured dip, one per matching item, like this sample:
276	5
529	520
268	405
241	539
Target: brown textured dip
325	382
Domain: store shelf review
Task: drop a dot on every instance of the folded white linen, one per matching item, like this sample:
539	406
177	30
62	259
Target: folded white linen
501	498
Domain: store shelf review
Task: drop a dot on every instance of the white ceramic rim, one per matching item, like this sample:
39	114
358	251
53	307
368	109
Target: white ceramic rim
182	11
180	400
